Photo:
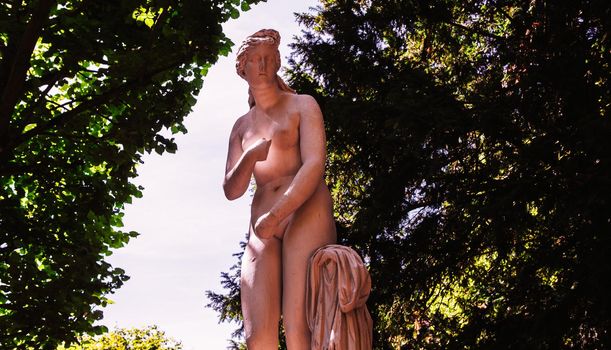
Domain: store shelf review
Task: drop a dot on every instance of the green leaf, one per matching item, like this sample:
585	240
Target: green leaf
29	127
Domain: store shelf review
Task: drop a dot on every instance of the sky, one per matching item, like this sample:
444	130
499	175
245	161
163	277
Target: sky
188	229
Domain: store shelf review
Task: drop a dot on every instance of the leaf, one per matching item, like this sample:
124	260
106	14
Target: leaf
29	127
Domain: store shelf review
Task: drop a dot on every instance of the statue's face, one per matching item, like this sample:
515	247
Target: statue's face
261	65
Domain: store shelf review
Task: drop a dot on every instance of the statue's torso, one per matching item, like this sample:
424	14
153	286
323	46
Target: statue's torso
274	175
284	158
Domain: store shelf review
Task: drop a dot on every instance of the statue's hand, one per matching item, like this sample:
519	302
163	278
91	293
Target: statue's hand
266	225
260	149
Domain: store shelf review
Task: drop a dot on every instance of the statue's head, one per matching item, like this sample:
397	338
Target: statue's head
269	37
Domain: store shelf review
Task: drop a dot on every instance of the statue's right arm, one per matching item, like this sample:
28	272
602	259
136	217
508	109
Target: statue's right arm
239	167
240	163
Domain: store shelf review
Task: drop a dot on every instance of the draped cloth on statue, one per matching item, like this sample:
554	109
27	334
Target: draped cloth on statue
337	288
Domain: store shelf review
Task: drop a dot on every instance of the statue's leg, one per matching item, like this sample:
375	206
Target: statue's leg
261	292
311	228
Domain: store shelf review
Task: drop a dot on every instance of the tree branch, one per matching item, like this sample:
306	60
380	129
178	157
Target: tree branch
51	77
35	104
12	169
93	102
18	68
66	116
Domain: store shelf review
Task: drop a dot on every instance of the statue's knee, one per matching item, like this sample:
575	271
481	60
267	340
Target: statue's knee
261	339
296	331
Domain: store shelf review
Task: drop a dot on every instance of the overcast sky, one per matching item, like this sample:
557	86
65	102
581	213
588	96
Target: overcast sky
189	231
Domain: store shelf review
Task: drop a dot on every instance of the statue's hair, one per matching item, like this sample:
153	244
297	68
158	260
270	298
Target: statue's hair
261	37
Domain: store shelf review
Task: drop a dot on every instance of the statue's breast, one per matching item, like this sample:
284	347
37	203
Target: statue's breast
282	130
284	157
285	133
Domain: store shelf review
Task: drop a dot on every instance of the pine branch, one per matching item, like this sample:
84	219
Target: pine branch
475	30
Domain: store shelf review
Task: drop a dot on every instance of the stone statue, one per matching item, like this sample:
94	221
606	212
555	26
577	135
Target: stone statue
281	141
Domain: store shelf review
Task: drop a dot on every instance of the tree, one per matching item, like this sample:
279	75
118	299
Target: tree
229	305
469	166
128	339
86	88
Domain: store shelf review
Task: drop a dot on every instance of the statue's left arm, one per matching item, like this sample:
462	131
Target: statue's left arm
312	146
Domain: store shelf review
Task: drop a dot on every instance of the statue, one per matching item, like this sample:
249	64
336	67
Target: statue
281	141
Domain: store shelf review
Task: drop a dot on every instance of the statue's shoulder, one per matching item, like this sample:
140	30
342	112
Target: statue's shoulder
304	98
307	105
242	123
305	102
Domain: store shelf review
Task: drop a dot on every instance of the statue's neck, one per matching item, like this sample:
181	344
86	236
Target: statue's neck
266	96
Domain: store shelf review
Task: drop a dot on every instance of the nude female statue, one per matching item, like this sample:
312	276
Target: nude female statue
281	141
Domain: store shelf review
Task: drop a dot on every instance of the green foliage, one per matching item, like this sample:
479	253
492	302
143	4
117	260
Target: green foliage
87	87
148	338
228	305
469	165
476	134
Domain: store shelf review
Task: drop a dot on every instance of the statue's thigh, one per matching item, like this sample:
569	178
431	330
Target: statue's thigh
261	283
307	232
